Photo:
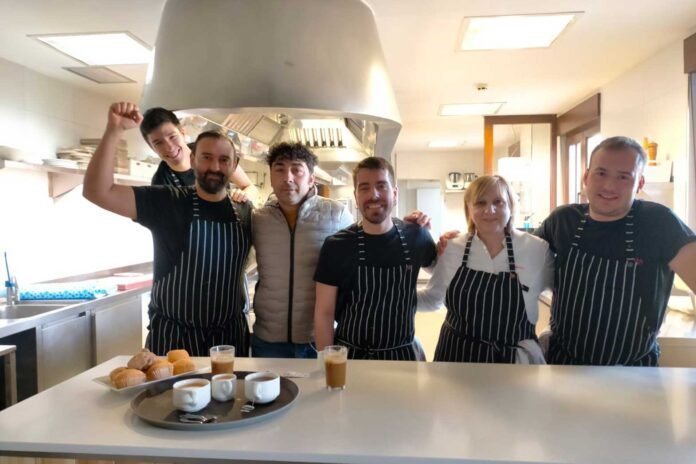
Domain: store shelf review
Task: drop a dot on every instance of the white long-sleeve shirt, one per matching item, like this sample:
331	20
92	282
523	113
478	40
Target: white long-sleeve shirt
533	262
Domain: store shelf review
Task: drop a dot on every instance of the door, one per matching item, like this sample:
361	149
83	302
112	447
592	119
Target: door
117	329
64	349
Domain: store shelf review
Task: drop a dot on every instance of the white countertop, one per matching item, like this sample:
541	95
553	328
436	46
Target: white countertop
393	412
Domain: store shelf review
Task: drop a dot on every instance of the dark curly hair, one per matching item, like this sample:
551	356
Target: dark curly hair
292	152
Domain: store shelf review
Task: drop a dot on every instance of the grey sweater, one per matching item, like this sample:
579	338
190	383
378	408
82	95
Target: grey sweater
284	297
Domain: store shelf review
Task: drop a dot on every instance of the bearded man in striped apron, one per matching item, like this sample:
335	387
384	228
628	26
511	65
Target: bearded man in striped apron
615	263
201	241
367	273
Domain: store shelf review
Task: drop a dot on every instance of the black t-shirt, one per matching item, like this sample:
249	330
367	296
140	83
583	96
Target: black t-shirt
163	176
168	212
338	259
658	236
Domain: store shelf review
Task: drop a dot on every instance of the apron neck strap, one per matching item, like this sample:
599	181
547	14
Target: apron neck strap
508	247
629	235
361	243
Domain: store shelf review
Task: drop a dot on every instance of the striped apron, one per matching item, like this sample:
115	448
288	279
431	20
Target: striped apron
378	322
597	317
200	303
486	315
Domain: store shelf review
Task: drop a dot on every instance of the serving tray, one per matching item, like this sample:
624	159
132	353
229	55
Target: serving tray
155	407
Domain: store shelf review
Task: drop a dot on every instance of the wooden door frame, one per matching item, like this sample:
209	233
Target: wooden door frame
490	121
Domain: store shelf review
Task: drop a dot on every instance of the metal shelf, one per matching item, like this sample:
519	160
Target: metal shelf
62	180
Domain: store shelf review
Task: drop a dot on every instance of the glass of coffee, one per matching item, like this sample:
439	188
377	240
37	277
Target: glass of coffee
222	359
335	360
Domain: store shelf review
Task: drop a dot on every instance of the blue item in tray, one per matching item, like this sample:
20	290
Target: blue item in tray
66	291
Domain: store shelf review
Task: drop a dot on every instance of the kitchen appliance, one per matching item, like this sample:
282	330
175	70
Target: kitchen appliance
454	181
469	177
308	71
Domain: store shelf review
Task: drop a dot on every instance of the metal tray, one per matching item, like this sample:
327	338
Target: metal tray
155	407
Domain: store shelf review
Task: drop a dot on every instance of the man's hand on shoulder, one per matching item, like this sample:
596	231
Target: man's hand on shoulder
418	217
124	116
238	196
444	238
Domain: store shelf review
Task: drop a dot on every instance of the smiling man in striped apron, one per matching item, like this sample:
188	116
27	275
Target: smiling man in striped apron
367	273
201	241
615	263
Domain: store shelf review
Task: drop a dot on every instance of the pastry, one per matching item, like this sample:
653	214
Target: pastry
142	360
160	370
184	365
115	372
128	378
175	355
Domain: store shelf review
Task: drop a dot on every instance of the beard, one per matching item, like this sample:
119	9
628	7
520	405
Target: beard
376	216
212	182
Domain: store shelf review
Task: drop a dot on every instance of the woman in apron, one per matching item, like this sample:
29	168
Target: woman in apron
489	280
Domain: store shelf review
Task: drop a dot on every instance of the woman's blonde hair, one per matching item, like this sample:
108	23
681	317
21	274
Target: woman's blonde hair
479	188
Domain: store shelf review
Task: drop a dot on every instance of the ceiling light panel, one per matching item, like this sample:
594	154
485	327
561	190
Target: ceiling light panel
510	32
111	48
470	109
99	74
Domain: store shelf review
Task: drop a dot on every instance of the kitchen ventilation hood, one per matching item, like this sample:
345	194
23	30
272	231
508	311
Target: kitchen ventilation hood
311	71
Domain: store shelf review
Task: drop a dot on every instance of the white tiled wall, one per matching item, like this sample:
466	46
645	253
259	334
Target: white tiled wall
47	238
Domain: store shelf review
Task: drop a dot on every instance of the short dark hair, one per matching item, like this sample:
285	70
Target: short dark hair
155	117
374	163
622	143
292	152
214	134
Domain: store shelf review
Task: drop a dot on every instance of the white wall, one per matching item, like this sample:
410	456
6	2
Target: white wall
436	165
47	238
651	100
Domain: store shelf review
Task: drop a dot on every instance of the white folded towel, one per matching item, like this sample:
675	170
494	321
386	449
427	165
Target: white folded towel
529	352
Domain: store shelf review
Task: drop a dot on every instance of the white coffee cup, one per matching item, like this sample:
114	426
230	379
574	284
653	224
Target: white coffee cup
223	386
262	387
191	395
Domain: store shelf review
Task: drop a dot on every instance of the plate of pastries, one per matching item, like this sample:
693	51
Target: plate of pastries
146	368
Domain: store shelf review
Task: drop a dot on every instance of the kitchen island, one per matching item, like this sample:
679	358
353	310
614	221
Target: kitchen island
394	412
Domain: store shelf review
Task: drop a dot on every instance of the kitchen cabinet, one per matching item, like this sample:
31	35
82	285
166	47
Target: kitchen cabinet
117	329
64	349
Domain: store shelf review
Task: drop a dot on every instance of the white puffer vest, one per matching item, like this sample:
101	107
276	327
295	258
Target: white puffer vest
284	297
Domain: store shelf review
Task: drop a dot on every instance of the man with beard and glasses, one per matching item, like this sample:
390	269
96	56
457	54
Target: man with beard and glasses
367	273
201	241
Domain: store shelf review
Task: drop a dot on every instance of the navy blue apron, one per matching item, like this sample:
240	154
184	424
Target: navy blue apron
597	317
486	315
378	321
200	303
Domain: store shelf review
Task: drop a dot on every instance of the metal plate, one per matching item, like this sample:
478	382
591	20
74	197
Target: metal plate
155	407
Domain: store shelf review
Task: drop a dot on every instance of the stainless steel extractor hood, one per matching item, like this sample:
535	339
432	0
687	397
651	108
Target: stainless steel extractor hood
296	70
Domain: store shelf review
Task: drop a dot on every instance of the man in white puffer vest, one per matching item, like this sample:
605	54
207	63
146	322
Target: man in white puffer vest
288	232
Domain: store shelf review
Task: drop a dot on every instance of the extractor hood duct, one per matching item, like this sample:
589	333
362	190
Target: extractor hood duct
296	70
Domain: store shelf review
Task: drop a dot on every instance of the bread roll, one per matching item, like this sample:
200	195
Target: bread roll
128	378
184	365
175	355
142	360
160	370
115	372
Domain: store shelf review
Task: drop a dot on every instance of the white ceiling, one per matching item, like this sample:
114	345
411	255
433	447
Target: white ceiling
419	39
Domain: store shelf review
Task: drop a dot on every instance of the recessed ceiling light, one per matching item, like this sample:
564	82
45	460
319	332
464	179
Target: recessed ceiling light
470	109
508	32
444	144
108	48
99	74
